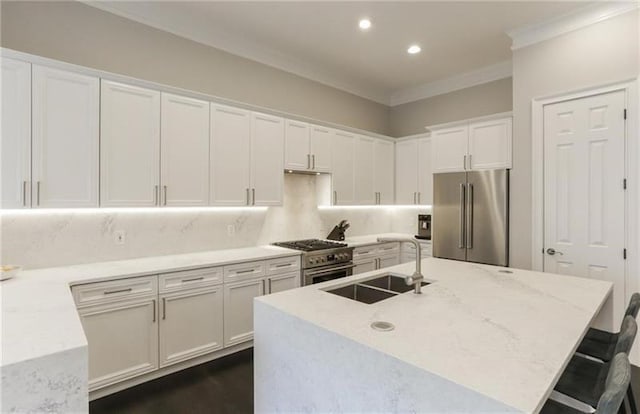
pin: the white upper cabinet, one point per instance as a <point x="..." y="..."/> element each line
<point x="184" y="151"/>
<point x="425" y="172"/>
<point x="129" y="146"/>
<point x="383" y="171"/>
<point x="15" y="141"/>
<point x="407" y="172"/>
<point x="450" y="149"/>
<point x="473" y="146"/>
<point x="320" y="148"/>
<point x="65" y="125"/>
<point x="230" y="156"/>
<point x="267" y="154"/>
<point x="343" y="158"/>
<point x="365" y="193"/>
<point x="297" y="146"/>
<point x="490" y="144"/>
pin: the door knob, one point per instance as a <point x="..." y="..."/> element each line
<point x="551" y="251"/>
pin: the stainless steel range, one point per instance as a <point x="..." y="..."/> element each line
<point x="322" y="260"/>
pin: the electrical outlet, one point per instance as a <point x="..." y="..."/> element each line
<point x="231" y="230"/>
<point x="119" y="236"/>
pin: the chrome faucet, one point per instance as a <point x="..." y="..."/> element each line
<point x="416" y="278"/>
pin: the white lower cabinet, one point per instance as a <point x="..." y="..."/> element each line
<point x="408" y="251"/>
<point x="123" y="340"/>
<point x="238" y="310"/>
<point x="388" y="261"/>
<point x="375" y="257"/>
<point x="365" y="266"/>
<point x="191" y="324"/>
<point x="284" y="282"/>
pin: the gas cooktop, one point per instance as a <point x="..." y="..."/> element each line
<point x="310" y="245"/>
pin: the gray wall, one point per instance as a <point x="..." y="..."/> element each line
<point x="486" y="99"/>
<point x="76" y="33"/>
<point x="603" y="53"/>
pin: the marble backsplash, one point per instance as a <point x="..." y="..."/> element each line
<point x="36" y="239"/>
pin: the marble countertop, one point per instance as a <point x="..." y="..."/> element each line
<point x="357" y="241"/>
<point x="505" y="335"/>
<point x="39" y="316"/>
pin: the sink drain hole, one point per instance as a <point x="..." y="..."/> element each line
<point x="383" y="326"/>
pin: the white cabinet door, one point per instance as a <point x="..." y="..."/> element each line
<point x="230" y="156"/>
<point x="238" y="310"/>
<point x="342" y="159"/>
<point x="490" y="144"/>
<point x="129" y="146"/>
<point x="284" y="282"/>
<point x="15" y="141"/>
<point x="388" y="261"/>
<point x="425" y="172"/>
<point x="365" y="193"/>
<point x="123" y="341"/>
<point x="384" y="170"/>
<point x="320" y="149"/>
<point x="191" y="324"/>
<point x="449" y="149"/>
<point x="267" y="153"/>
<point x="297" y="149"/>
<point x="184" y="163"/>
<point x="407" y="172"/>
<point x="365" y="266"/>
<point x="65" y="123"/>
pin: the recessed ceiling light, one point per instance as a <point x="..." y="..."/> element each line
<point x="413" y="49"/>
<point x="364" y="24"/>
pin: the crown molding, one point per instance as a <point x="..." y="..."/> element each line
<point x="465" y="80"/>
<point x="583" y="17"/>
<point x="219" y="39"/>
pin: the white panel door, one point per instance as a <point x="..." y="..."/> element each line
<point x="15" y="142"/>
<point x="490" y="144"/>
<point x="284" y="282"/>
<point x="65" y="122"/>
<point x="449" y="149"/>
<point x="384" y="170"/>
<point x="365" y="266"/>
<point x="388" y="261"/>
<point x="425" y="172"/>
<point x="363" y="171"/>
<point x="184" y="151"/>
<point x="238" y="310"/>
<point x="123" y="341"/>
<point x="191" y="324"/>
<point x="343" y="159"/>
<point x="129" y="146"/>
<point x="297" y="147"/>
<point x="267" y="157"/>
<point x="321" y="156"/>
<point x="407" y="172"/>
<point x="230" y="156"/>
<point x="584" y="212"/>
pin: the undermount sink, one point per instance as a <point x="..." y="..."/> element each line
<point x="382" y="286"/>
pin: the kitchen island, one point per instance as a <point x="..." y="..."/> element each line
<point x="478" y="339"/>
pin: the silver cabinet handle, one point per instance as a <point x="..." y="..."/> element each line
<point x="165" y="194"/>
<point x="269" y="284"/>
<point x="164" y="308"/>
<point x="313" y="161"/>
<point x="239" y="272"/>
<point x="24" y="194"/>
<point x="155" y="195"/>
<point x="470" y="158"/>
<point x="335" y="198"/>
<point x="37" y="193"/>
<point x="253" y="195"/>
<point x="284" y="265"/>
<point x="248" y="201"/>
<point x="111" y="292"/>
<point x="308" y="161"/>
<point x="470" y="216"/>
<point x="461" y="219"/>
<point x="551" y="251"/>
<point x="193" y="279"/>
<point x="464" y="162"/>
<point x="154" y="310"/>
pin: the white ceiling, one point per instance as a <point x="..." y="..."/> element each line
<point x="321" y="40"/>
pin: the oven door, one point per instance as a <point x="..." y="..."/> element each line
<point x="323" y="274"/>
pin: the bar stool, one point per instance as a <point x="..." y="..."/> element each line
<point x="584" y="379"/>
<point x="601" y="344"/>
<point x="611" y="400"/>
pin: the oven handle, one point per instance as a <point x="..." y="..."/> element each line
<point x="333" y="269"/>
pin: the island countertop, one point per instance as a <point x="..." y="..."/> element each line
<point x="506" y="334"/>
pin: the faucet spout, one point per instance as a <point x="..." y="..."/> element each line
<point x="416" y="278"/>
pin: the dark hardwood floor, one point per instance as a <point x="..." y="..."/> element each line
<point x="221" y="386"/>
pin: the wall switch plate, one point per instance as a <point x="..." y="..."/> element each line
<point x="231" y="230"/>
<point x="119" y="236"/>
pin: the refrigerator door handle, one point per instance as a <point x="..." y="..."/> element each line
<point x="462" y="217"/>
<point x="470" y="216"/>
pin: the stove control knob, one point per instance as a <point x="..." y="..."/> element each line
<point x="312" y="261"/>
<point x="323" y="259"/>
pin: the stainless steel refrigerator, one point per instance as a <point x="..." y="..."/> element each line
<point x="471" y="216"/>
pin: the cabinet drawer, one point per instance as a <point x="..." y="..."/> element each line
<point x="115" y="290"/>
<point x="169" y="282"/>
<point x="283" y="265"/>
<point x="242" y="271"/>
<point x="364" y="252"/>
<point x="388" y="248"/>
